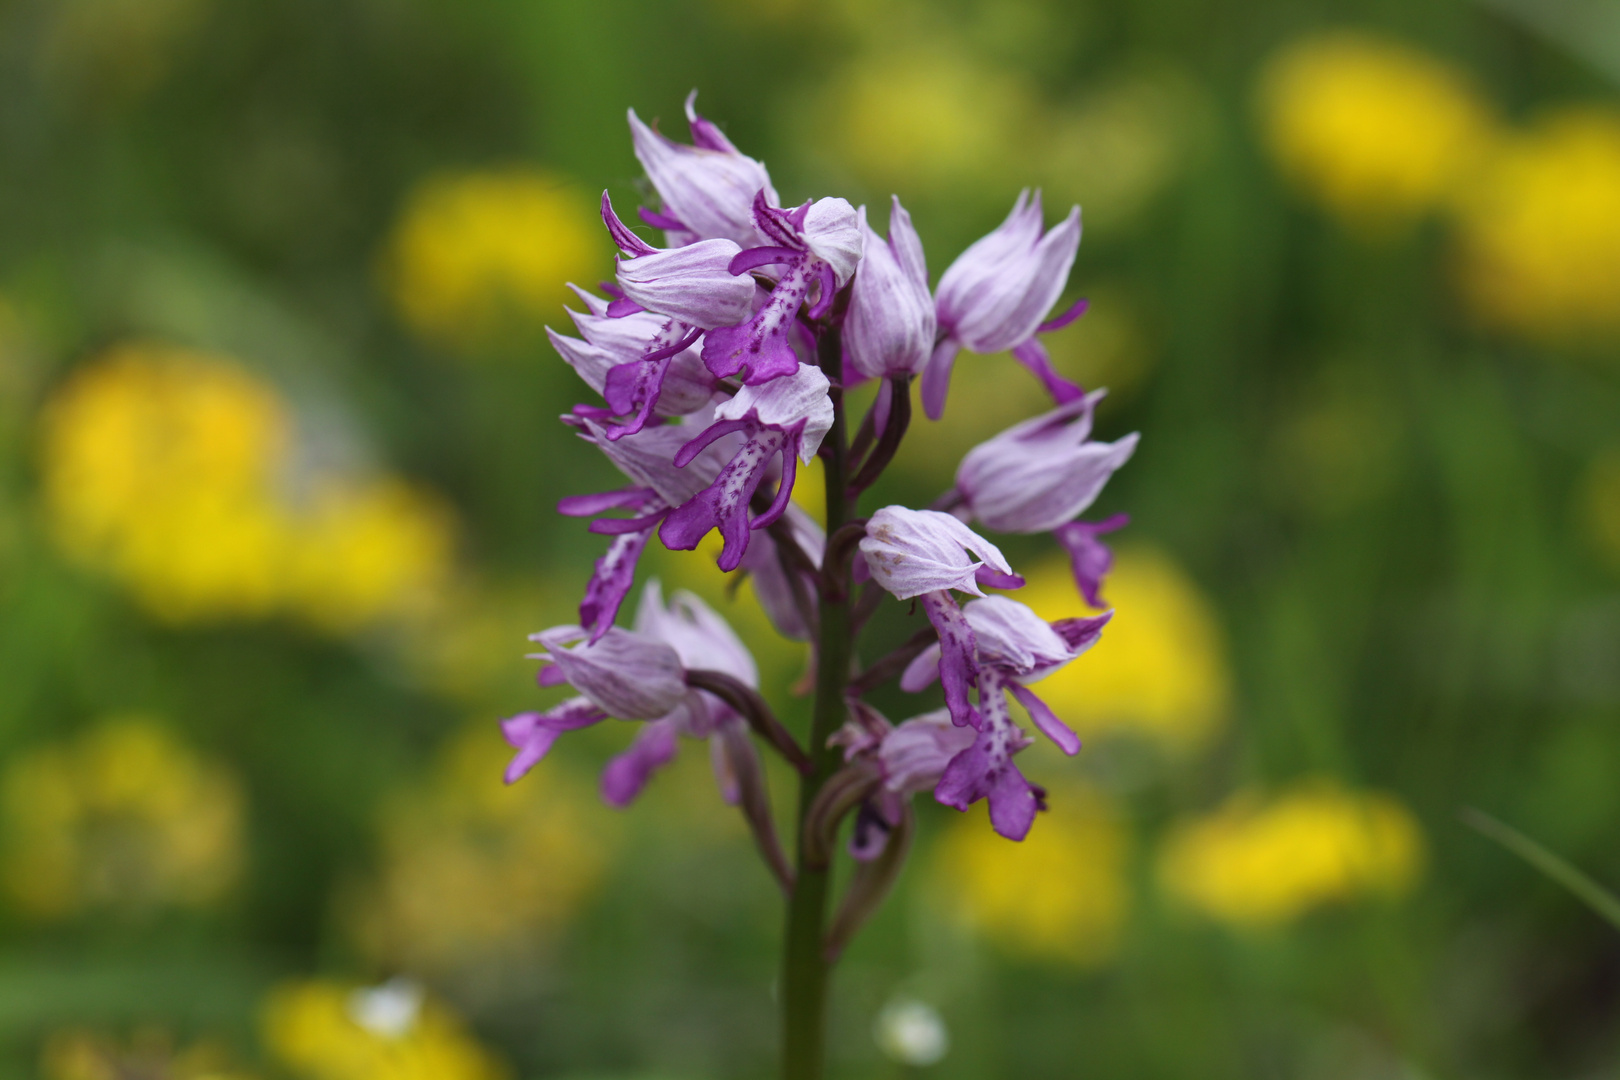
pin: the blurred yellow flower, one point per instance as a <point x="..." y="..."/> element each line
<point x="324" y="1030"/>
<point x="1376" y="130"/>
<point x="79" y="1054"/>
<point x="1258" y="863"/>
<point x="472" y="250"/>
<point x="156" y="465"/>
<point x="1000" y="394"/>
<point x="810" y="490"/>
<point x="474" y="871"/>
<point x="123" y="816"/>
<point x="1600" y="498"/>
<point x="1060" y="894"/>
<point x="1160" y="669"/>
<point x="368" y="548"/>
<point x="165" y="467"/>
<point x="1539" y="231"/>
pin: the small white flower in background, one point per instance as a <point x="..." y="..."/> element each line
<point x="388" y="1010"/>
<point x="911" y="1032"/>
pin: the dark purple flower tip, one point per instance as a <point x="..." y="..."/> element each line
<point x="1033" y="355"/>
<point x="610" y="582"/>
<point x="533" y="733"/>
<point x="760" y="346"/>
<point x="976" y="774"/>
<point x="627" y="774"/>
<point x="991" y="578"/>
<point x="1082" y="632"/>
<point x="711" y="508"/>
<point x="661" y="221"/>
<point x="1046" y="720"/>
<point x="1067" y="316"/>
<point x="621" y="526"/>
<point x="1089" y="557"/>
<point x="591" y="505"/>
<point x="958" y="654"/>
<point x="870" y="834"/>
<point x="754" y="258"/>
<point x="701" y="441"/>
<point x="625" y="240"/>
<point x="936" y="378"/>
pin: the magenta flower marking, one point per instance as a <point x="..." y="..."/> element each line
<point x="818" y="245"/>
<point x="533" y="733"/>
<point x="986" y="770"/>
<point x="785" y="419"/>
<point x="674" y="295"/>
<point x="647" y="458"/>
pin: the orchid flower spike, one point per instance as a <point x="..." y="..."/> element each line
<point x="994" y="296"/>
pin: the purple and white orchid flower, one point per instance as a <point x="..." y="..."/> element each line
<point x="707" y="188"/>
<point x="1042" y="473"/>
<point x="909" y="759"/>
<point x="686" y="290"/>
<point x="1090" y="558"/>
<point x="996" y="294"/>
<point x="1015" y="647"/>
<point x="891" y="323"/>
<point x="924" y="553"/>
<point x="621" y="674"/>
<point x="610" y="361"/>
<point x="786" y="418"/>
<point x="702" y="640"/>
<point x="647" y="458"/>
<point x="818" y="246"/>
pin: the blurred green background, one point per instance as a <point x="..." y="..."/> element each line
<point x="278" y="463"/>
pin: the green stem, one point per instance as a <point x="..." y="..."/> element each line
<point x="805" y="967"/>
<point x="1595" y="896"/>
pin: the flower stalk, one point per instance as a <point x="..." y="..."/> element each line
<point x="804" y="962"/>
